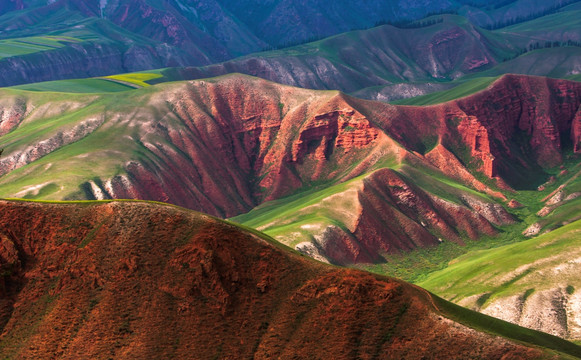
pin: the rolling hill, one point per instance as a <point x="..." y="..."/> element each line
<point x="140" y="280"/>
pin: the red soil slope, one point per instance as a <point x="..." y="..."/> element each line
<point x="243" y="141"/>
<point x="394" y="214"/>
<point x="521" y="120"/>
<point x="137" y="280"/>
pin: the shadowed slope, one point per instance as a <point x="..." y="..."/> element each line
<point x="137" y="280"/>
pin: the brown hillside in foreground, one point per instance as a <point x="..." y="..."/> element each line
<point x="130" y="280"/>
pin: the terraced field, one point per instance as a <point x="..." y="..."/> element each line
<point x="30" y="45"/>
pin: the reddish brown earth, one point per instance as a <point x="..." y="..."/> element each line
<point x="131" y="280"/>
<point x="394" y="214"/>
<point x="242" y="141"/>
<point x="518" y="122"/>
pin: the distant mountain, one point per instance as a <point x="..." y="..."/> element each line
<point x="445" y="48"/>
<point x="136" y="35"/>
<point x="130" y="280"/>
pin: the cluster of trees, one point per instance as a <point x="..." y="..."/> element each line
<point x="545" y="45"/>
<point x="520" y="19"/>
<point x="404" y="24"/>
<point x="411" y="24"/>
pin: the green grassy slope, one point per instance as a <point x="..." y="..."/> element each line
<point x="568" y="20"/>
<point x="85" y="48"/>
<point x="496" y="271"/>
<point x="105" y="84"/>
<point x="463" y="89"/>
<point x="560" y="62"/>
<point x="78" y="162"/>
<point x="82" y="86"/>
<point x="417" y="265"/>
<point x="301" y="216"/>
<point x="29" y="45"/>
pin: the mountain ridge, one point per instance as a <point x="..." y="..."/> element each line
<point x="228" y="144"/>
<point x="96" y="292"/>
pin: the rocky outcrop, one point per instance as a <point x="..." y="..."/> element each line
<point x="553" y="311"/>
<point x="576" y="131"/>
<point x="539" y="109"/>
<point x="385" y="213"/>
<point x="12" y="111"/>
<point x="135" y="280"/>
<point x="62" y="138"/>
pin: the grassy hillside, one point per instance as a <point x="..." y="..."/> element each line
<point x="511" y="269"/>
<point x="29" y="45"/>
<point x="82" y="86"/>
<point x="293" y="219"/>
<point x="105" y="84"/>
<point x="566" y="22"/>
<point x="417" y="265"/>
<point x="561" y="62"/>
<point x="464" y="88"/>
<point x="370" y="62"/>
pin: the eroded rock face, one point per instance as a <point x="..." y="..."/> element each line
<point x="44" y="147"/>
<point x="12" y="111"/>
<point x="127" y="280"/>
<point x="518" y="120"/>
<point x="389" y="214"/>
<point x="537" y="108"/>
<point x="547" y="310"/>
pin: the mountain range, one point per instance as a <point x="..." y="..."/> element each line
<point x="432" y="141"/>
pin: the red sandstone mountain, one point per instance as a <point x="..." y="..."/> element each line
<point x="226" y="145"/>
<point x="135" y="280"/>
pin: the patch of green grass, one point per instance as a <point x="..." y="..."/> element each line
<point x="43" y="192"/>
<point x="464" y="89"/>
<point x="33" y="44"/>
<point x="417" y="265"/>
<point x="561" y="21"/>
<point x="509" y="269"/>
<point x="289" y="206"/>
<point x="84" y="86"/>
<point x="527" y="294"/>
<point x="139" y="79"/>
